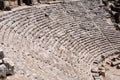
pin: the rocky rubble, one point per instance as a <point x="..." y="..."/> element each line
<point x="113" y="7"/>
<point x="98" y="71"/>
<point x="107" y="67"/>
<point x="6" y="66"/>
<point x="114" y="61"/>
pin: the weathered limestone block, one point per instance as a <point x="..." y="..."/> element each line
<point x="115" y="63"/>
<point x="96" y="62"/>
<point x="3" y="71"/>
<point x="95" y="70"/>
<point x="102" y="71"/>
<point x="10" y="66"/>
<point x="35" y="1"/>
<point x="96" y="76"/>
<point x="1" y="54"/>
<point x="118" y="66"/>
<point x="1" y="62"/>
<point x="109" y="61"/>
<point x="105" y="2"/>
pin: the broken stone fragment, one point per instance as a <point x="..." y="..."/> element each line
<point x="117" y="3"/>
<point x="105" y="2"/>
<point x="6" y="66"/>
<point x="10" y="66"/>
<point x="96" y="76"/>
<point x="1" y="54"/>
<point x="116" y="9"/>
<point x="96" y="62"/>
<point x="101" y="68"/>
<point x="108" y="62"/>
<point x="118" y="66"/>
<point x="102" y="71"/>
<point x="118" y="58"/>
<point x="95" y="70"/>
<point x="3" y="70"/>
<point x="1" y="62"/>
<point x="113" y="59"/>
<point x="115" y="63"/>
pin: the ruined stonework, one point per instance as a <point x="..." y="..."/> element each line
<point x="70" y="40"/>
<point x="108" y="68"/>
<point x="113" y="8"/>
<point x="8" y="4"/>
<point x="6" y="66"/>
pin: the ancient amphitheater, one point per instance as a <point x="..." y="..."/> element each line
<point x="72" y="40"/>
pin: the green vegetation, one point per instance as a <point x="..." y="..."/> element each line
<point x="111" y="0"/>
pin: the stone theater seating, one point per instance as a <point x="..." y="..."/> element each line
<point x="57" y="42"/>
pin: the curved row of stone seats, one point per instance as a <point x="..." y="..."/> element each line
<point x="97" y="48"/>
<point x="18" y="28"/>
<point x="91" y="4"/>
<point x="79" y="19"/>
<point x="50" y="30"/>
<point x="24" y="27"/>
<point x="63" y="41"/>
<point x="58" y="14"/>
<point x="33" y="29"/>
<point x="9" y="30"/>
<point x="13" y="34"/>
<point x="97" y="14"/>
<point x="47" y="68"/>
<point x="100" y="20"/>
<point x="103" y="48"/>
<point x="113" y="37"/>
<point x="10" y="22"/>
<point x="107" y="29"/>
